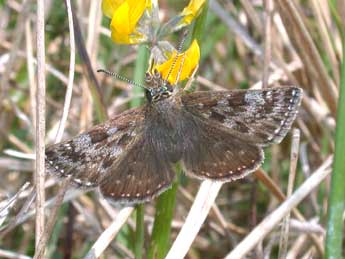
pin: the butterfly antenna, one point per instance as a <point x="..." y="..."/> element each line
<point x="122" y="78"/>
<point x="180" y="69"/>
<point x="179" y="49"/>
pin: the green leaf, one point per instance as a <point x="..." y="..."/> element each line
<point x="139" y="73"/>
<point x="336" y="205"/>
<point x="160" y="239"/>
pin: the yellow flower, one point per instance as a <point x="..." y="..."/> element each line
<point x="137" y="21"/>
<point x="191" y="11"/>
<point x="125" y="16"/>
<point x="185" y="64"/>
<point x="109" y="7"/>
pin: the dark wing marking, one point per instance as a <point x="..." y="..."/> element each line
<point x="89" y="155"/>
<point x="262" y="117"/>
<point x="214" y="153"/>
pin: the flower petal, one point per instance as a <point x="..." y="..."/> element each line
<point x="109" y="7"/>
<point x="185" y="64"/>
<point x="120" y="21"/>
<point x="125" y="19"/>
<point x="192" y="10"/>
<point x="136" y="8"/>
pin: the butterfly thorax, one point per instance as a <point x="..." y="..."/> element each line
<point x="167" y="111"/>
<point x="164" y="107"/>
<point x="157" y="88"/>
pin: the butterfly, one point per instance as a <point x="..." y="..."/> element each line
<point x="217" y="135"/>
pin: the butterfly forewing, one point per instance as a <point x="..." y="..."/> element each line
<point x="87" y="156"/>
<point x="262" y="117"/>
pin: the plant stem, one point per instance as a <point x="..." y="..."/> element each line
<point x="162" y="225"/>
<point x="139" y="232"/>
<point x="140" y="69"/>
<point x="336" y="204"/>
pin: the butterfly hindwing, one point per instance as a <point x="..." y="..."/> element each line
<point x="263" y="116"/>
<point x="218" y="154"/>
<point x="145" y="169"/>
<point x="140" y="174"/>
<point x="86" y="156"/>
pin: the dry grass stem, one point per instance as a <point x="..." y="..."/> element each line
<point x="252" y="14"/>
<point x="268" y="41"/>
<point x="109" y="234"/>
<point x="40" y="249"/>
<point x="236" y="28"/>
<point x="31" y="70"/>
<point x="68" y="96"/>
<point x="326" y="38"/>
<point x="203" y="202"/>
<point x="11" y="254"/>
<point x="6" y="205"/>
<point x="40" y="123"/>
<point x="308" y="52"/>
<point x="272" y="220"/>
<point x="284" y="238"/>
<point x="19" y="32"/>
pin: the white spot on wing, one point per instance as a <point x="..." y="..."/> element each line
<point x="82" y="141"/>
<point x="254" y="97"/>
<point x="111" y="131"/>
<point x="116" y="151"/>
<point x="223" y="102"/>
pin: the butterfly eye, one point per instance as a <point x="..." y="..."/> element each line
<point x="149" y="95"/>
<point x="169" y="87"/>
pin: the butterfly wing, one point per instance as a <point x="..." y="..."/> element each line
<point x="262" y="117"/>
<point x="87" y="156"/>
<point x="140" y="174"/>
<point x="214" y="153"/>
<point x="145" y="169"/>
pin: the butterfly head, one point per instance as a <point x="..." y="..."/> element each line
<point x="158" y="88"/>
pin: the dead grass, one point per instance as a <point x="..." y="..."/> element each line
<point x="279" y="43"/>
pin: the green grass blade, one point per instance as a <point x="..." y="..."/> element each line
<point x="139" y="73"/>
<point x="160" y="237"/>
<point x="139" y="232"/>
<point x="336" y="204"/>
<point x="141" y="65"/>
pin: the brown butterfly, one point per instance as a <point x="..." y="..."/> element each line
<point x="217" y="135"/>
